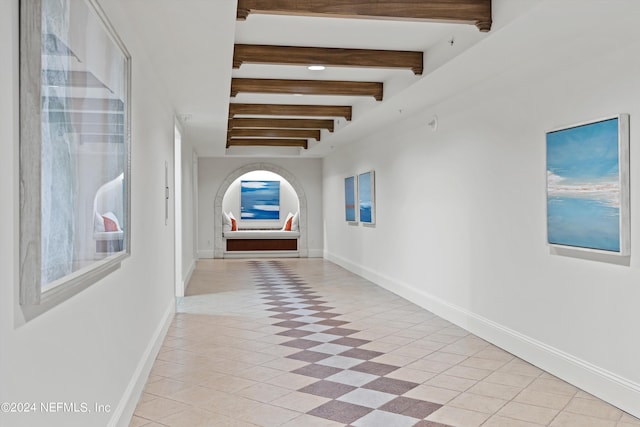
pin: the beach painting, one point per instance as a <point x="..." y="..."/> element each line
<point x="260" y="200"/>
<point x="366" y="197"/>
<point x="588" y="186"/>
<point x="350" y="199"/>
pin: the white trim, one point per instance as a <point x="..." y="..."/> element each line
<point x="205" y="253"/>
<point x="218" y="244"/>
<point x="612" y="388"/>
<point x="187" y="277"/>
<point x="123" y="413"/>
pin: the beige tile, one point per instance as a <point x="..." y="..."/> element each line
<point x="165" y="387"/>
<point x="467" y="372"/>
<point x="444" y="357"/>
<point x="159" y="408"/>
<point x="197" y="396"/>
<point x="509" y="379"/>
<point x="452" y="383"/>
<point x="270" y="416"/>
<point x="478" y="403"/>
<point x="229" y="384"/>
<point x="263" y="392"/>
<point x="594" y="408"/>
<point x="394" y="359"/>
<point x="500" y="421"/>
<point x="480" y="363"/>
<point x="378" y="346"/>
<point x="495" y="390"/>
<point x="429" y="366"/>
<point x="567" y="419"/>
<point x="292" y="381"/>
<point x="190" y="418"/>
<point x="233" y="406"/>
<point x="629" y="419"/>
<point x="524" y="412"/>
<point x="259" y="373"/>
<point x="412" y="375"/>
<point x="311" y="421"/>
<point x="284" y="364"/>
<point x="539" y="398"/>
<point x="138" y="421"/>
<point x="457" y="417"/>
<point x="519" y="367"/>
<point x="553" y="386"/>
<point x="432" y="394"/>
<point x="301" y="402"/>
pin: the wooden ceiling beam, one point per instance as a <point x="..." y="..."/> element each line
<point x="475" y="12"/>
<point x="265" y="142"/>
<point x="337" y="57"/>
<point x="307" y="87"/>
<point x="290" y="110"/>
<point x="274" y="133"/>
<point x="249" y="123"/>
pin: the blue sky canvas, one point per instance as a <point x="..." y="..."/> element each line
<point x="583" y="186"/>
<point x="365" y="197"/>
<point x="260" y="200"/>
<point x="350" y="198"/>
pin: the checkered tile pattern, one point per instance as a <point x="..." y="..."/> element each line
<point x="361" y="394"/>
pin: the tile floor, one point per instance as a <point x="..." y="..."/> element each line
<point x="302" y="342"/>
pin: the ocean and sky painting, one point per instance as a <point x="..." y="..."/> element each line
<point x="350" y="198"/>
<point x="366" y="197"/>
<point x="260" y="200"/>
<point x="583" y="186"/>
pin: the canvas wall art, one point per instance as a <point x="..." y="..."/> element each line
<point x="260" y="200"/>
<point x="350" y="199"/>
<point x="588" y="186"/>
<point x="366" y="197"/>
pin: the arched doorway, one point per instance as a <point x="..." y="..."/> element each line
<point x="218" y="249"/>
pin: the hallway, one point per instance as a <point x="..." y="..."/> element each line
<point x="302" y="342"/>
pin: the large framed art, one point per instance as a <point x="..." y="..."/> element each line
<point x="366" y="197"/>
<point x="350" y="194"/>
<point x="74" y="150"/>
<point x="260" y="200"/>
<point x="588" y="186"/>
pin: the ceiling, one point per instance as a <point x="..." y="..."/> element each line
<point x="190" y="43"/>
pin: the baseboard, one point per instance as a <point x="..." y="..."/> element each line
<point x="205" y="253"/>
<point x="260" y="254"/>
<point x="123" y="413"/>
<point x="187" y="278"/>
<point x="612" y="388"/>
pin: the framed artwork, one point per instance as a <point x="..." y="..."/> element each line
<point x="350" y="194"/>
<point x="260" y="200"/>
<point x="75" y="76"/>
<point x="366" y="197"/>
<point x="588" y="186"/>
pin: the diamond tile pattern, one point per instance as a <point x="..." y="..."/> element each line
<point x="301" y="342"/>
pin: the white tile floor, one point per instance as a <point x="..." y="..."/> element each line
<point x="302" y="342"/>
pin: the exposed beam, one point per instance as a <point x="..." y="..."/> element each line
<point x="282" y="124"/>
<point x="274" y="133"/>
<point x="264" y="142"/>
<point x="290" y="110"/>
<point x="476" y="12"/>
<point x="337" y="57"/>
<point x="307" y="87"/>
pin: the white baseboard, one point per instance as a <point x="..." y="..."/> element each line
<point x="612" y="388"/>
<point x="205" y="253"/>
<point x="187" y="278"/>
<point x="261" y="254"/>
<point x="123" y="413"/>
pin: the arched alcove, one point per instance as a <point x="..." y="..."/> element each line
<point x="218" y="248"/>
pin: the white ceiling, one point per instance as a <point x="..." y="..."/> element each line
<point x="190" y="45"/>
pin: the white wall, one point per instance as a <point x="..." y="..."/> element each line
<point x="93" y="347"/>
<point x="213" y="171"/>
<point x="288" y="199"/>
<point x="461" y="211"/>
<point x="188" y="211"/>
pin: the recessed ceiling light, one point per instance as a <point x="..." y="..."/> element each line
<point x="316" y="67"/>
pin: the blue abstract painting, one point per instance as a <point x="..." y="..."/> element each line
<point x="260" y="200"/>
<point x="584" y="186"/>
<point x="350" y="198"/>
<point x="366" y="202"/>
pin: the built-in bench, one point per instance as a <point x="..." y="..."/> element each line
<point x="261" y="243"/>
